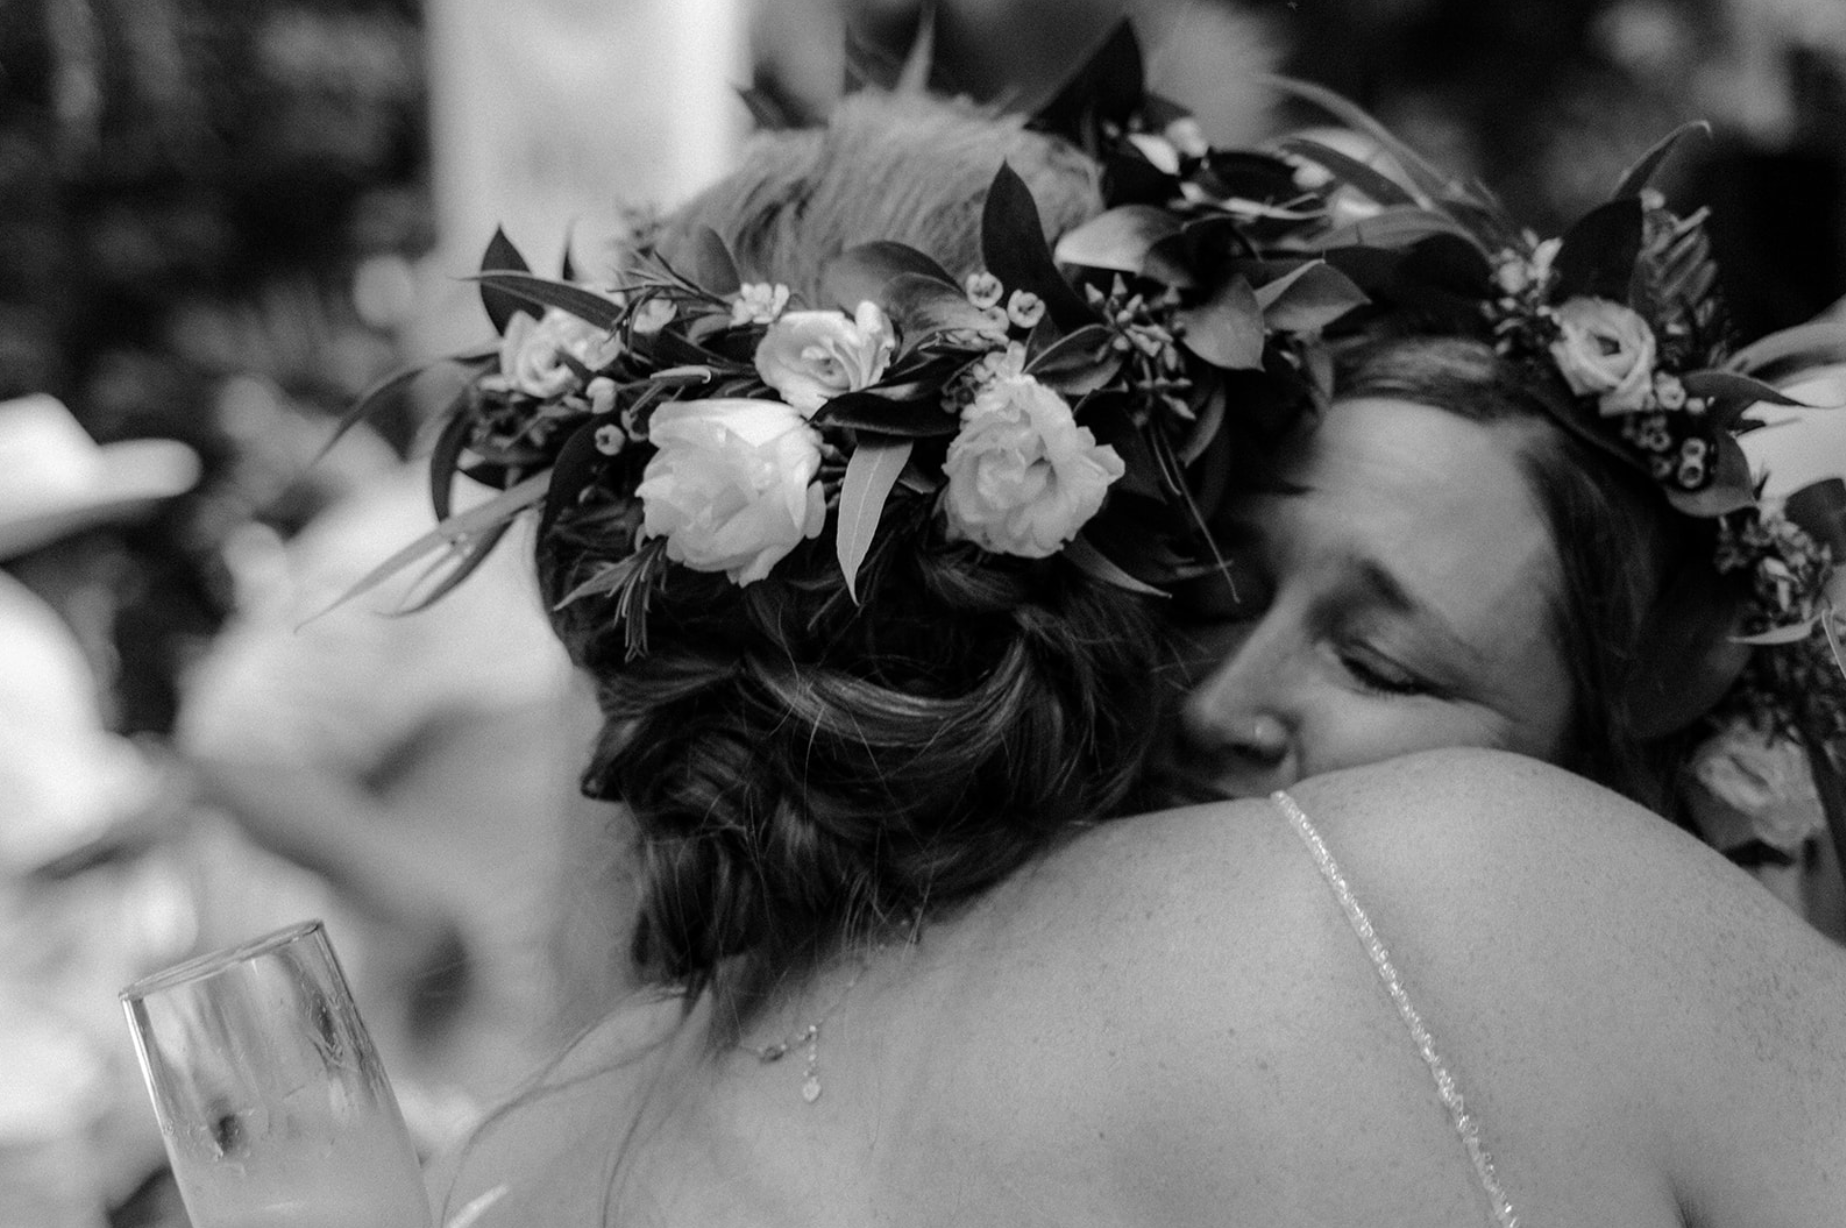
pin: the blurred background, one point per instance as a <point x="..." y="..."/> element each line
<point x="220" y="220"/>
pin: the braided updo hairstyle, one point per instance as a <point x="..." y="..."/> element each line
<point x="802" y="768"/>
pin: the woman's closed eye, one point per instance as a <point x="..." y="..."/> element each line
<point x="1377" y="673"/>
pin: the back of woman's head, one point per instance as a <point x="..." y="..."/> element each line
<point x="904" y="168"/>
<point x="1619" y="546"/>
<point x="802" y="763"/>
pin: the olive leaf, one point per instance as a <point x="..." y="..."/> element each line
<point x="1119" y="239"/>
<point x="861" y="274"/>
<point x="526" y="289"/>
<point x="871" y="471"/>
<point x="1226" y="330"/>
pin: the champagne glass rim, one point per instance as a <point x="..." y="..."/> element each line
<point x="212" y="962"/>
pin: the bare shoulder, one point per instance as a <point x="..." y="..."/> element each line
<point x="545" y="1155"/>
<point x="1575" y="948"/>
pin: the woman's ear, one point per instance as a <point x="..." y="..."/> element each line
<point x="1687" y="658"/>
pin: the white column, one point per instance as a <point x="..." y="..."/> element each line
<point x="546" y="115"/>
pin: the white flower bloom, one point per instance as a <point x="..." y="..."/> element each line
<point x="1023" y="477"/>
<point x="652" y="316"/>
<point x="810" y="357"/>
<point x="602" y="394"/>
<point x="984" y="289"/>
<point x="759" y="302"/>
<point x="1025" y="309"/>
<point x="1605" y="350"/>
<point x="732" y="487"/>
<point x="530" y="351"/>
<point x="1754" y="786"/>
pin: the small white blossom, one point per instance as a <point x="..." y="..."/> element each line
<point x="759" y="302"/>
<point x="984" y="289"/>
<point x="1025" y="309"/>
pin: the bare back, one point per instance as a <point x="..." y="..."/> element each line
<point x="1170" y="1021"/>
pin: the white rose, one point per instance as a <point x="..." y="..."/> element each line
<point x="1606" y="351"/>
<point x="810" y="357"/>
<point x="530" y="350"/>
<point x="1023" y="476"/>
<point x="732" y="487"/>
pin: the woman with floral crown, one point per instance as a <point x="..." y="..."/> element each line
<point x="1526" y="521"/>
<point x="871" y="584"/>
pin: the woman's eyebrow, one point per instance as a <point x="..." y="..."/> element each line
<point x="1383" y="586"/>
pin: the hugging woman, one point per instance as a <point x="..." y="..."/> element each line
<point x="1526" y="522"/>
<point x="854" y="529"/>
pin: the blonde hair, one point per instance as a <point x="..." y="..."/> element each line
<point x="907" y="168"/>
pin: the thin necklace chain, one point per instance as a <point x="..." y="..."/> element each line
<point x="810" y="1034"/>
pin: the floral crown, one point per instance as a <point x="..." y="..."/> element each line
<point x="1047" y="405"/>
<point x="1621" y="325"/>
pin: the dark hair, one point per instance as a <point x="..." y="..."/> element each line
<point x="1619" y="545"/>
<point x="802" y="768"/>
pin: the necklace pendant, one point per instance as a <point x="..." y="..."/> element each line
<point x="810" y="1089"/>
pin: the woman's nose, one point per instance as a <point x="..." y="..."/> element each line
<point x="1235" y="726"/>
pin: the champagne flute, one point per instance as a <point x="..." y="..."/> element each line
<point x="272" y="1101"/>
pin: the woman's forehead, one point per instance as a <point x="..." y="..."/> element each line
<point x="1440" y="503"/>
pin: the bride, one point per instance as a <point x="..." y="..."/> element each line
<point x="875" y="671"/>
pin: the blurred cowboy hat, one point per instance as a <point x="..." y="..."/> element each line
<point x="55" y="480"/>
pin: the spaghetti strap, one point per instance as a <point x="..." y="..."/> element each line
<point x="1467" y="1125"/>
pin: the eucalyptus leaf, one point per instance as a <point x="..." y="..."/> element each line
<point x="501" y="255"/>
<point x="1309" y="298"/>
<point x="542" y="292"/>
<point x="860" y="274"/>
<point x="1227" y="329"/>
<point x="871" y="471"/>
<point x="1119" y="239"/>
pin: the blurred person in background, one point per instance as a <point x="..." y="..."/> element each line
<point x="93" y="893"/>
<point x="411" y="777"/>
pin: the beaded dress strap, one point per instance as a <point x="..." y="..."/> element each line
<point x="1467" y="1125"/>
